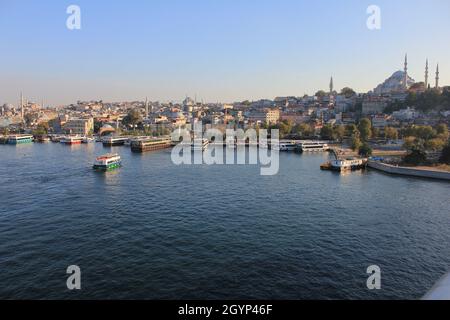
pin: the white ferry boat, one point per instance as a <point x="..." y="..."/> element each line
<point x="107" y="162"/>
<point x="348" y="164"/>
<point x="88" y="140"/>
<point x="313" y="146"/>
<point x="55" y="138"/>
<point x="71" y="140"/>
<point x="288" y="146"/>
<point x="20" y="139"/>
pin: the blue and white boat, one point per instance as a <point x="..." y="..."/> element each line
<point x="20" y="139"/>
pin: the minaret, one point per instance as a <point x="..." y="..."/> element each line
<point x="405" y="80"/>
<point x="146" y="107"/>
<point x="426" y="75"/>
<point x="331" y="86"/>
<point x="21" y="106"/>
<point x="437" y="76"/>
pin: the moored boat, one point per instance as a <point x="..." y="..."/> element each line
<point x="42" y="138"/>
<point x="69" y="140"/>
<point x="107" y="162"/>
<point x="88" y="140"/>
<point x="143" y="145"/>
<point x="312" y="146"/>
<point x="345" y="164"/>
<point x="112" y="141"/>
<point x="287" y="146"/>
<point x="20" y="139"/>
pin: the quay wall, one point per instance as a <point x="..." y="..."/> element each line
<point x="422" y="173"/>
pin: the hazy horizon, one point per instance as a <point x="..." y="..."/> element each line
<point x="219" y="51"/>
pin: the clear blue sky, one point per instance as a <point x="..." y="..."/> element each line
<point x="221" y="50"/>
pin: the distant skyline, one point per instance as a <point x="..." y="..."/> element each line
<point x="223" y="50"/>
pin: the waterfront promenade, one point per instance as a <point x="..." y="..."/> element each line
<point x="410" y="171"/>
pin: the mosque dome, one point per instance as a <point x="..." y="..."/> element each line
<point x="8" y="106"/>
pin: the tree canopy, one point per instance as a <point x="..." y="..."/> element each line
<point x="348" y="92"/>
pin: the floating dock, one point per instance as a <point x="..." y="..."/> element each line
<point x="144" y="145"/>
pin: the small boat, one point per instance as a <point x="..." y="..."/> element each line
<point x="111" y="141"/>
<point x="107" y="162"/>
<point x="55" y="138"/>
<point x="287" y="146"/>
<point x="345" y="164"/>
<point x="72" y="140"/>
<point x="312" y="146"/>
<point x="88" y="140"/>
<point x="20" y="139"/>
<point x="42" y="138"/>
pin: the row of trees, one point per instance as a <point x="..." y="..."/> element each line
<point x="347" y="92"/>
<point x="430" y="100"/>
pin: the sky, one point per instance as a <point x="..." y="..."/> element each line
<point x="216" y="50"/>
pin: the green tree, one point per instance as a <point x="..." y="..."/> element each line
<point x="320" y="94"/>
<point x="365" y="150"/>
<point x="415" y="157"/>
<point x="132" y="118"/>
<point x="410" y="143"/>
<point x="442" y="130"/>
<point x="339" y="132"/>
<point x="356" y="141"/>
<point x="435" y="144"/>
<point x="390" y="133"/>
<point x="348" y="92"/>
<point x="350" y="129"/>
<point x="327" y="132"/>
<point x="425" y="132"/>
<point x="5" y="131"/>
<point x="285" y="127"/>
<point x="445" y="157"/>
<point x="41" y="129"/>
<point x="429" y="100"/>
<point x="365" y="129"/>
<point x="375" y="133"/>
<point x="304" y="130"/>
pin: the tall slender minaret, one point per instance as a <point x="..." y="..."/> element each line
<point x="426" y="75"/>
<point x="21" y="106"/>
<point x="437" y="76"/>
<point x="331" y="86"/>
<point x="146" y="107"/>
<point x="405" y="80"/>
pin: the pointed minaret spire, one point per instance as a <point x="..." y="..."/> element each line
<point x="405" y="80"/>
<point x="437" y="76"/>
<point x="21" y="106"/>
<point x="146" y="107"/>
<point x="426" y="75"/>
<point x="331" y="85"/>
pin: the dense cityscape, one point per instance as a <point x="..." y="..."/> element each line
<point x="215" y="157"/>
<point x="399" y="114"/>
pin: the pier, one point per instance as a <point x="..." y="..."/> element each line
<point x="407" y="171"/>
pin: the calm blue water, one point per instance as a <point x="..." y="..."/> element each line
<point x="154" y="230"/>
